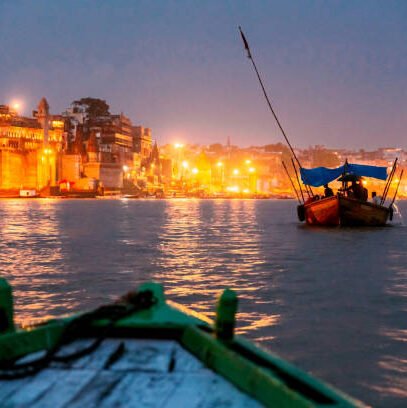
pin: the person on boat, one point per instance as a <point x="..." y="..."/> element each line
<point x="328" y="192"/>
<point x="357" y="191"/>
<point x="375" y="198"/>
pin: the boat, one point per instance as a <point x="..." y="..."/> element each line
<point x="28" y="193"/>
<point x="344" y="208"/>
<point x="144" y="350"/>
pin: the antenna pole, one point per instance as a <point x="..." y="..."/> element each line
<point x="249" y="55"/>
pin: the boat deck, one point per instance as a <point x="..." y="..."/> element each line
<point x="124" y="373"/>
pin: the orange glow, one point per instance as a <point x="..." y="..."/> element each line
<point x="178" y="145"/>
<point x="16" y="105"/>
<point x="252" y="170"/>
<point x="195" y="170"/>
<point x="248" y="161"/>
<point x="185" y="164"/>
<point x="219" y="164"/>
<point x="235" y="172"/>
<point x="59" y="124"/>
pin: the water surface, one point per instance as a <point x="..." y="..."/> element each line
<point x="332" y="301"/>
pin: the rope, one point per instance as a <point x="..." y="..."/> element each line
<point x="126" y="305"/>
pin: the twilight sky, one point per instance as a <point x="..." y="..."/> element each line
<point x="336" y="70"/>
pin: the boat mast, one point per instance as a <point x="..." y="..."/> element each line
<point x="249" y="55"/>
<point x="292" y="183"/>
<point x="397" y="189"/>
<point x="389" y="180"/>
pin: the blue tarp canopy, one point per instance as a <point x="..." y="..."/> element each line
<point x="321" y="175"/>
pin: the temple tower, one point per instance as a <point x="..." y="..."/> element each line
<point x="43" y="118"/>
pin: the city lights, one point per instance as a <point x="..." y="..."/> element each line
<point x="236" y="172"/>
<point x="16" y="106"/>
<point x="185" y="164"/>
<point x="125" y="168"/>
<point x="195" y="170"/>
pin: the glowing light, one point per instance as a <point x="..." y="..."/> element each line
<point x="395" y="181"/>
<point x="195" y="170"/>
<point x="233" y="189"/>
<point x="252" y="170"/>
<point x="235" y="172"/>
<point x="246" y="191"/>
<point x="47" y="151"/>
<point x="178" y="145"/>
<point x="16" y="105"/>
<point x="185" y="164"/>
<point x="219" y="164"/>
<point x="125" y="168"/>
<point x="248" y="161"/>
<point x="58" y="124"/>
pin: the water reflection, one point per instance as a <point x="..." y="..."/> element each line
<point x="331" y="301"/>
<point x="30" y="252"/>
<point x="209" y="245"/>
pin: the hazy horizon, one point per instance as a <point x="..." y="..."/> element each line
<point x="335" y="70"/>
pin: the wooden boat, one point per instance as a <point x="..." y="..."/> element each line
<point x="339" y="210"/>
<point x="349" y="207"/>
<point x="146" y="351"/>
<point x="343" y="211"/>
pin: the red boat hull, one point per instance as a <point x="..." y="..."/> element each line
<point x="339" y="210"/>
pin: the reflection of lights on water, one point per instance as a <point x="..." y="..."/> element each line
<point x="208" y="246"/>
<point x="31" y="254"/>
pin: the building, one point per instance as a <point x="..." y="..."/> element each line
<point x="30" y="149"/>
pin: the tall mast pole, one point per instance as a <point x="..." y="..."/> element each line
<point x="249" y="55"/>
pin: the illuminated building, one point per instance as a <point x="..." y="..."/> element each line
<point x="29" y="149"/>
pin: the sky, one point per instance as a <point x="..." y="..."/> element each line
<point x="336" y="71"/>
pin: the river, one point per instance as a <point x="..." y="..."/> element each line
<point x="332" y="301"/>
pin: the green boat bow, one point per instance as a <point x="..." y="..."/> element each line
<point x="146" y="314"/>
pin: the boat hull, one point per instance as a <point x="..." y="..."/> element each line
<point x="344" y="211"/>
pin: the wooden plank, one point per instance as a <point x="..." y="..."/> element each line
<point x="7" y="388"/>
<point x="100" y="386"/>
<point x="207" y="389"/>
<point x="145" y="355"/>
<point x="97" y="359"/>
<point x="34" y="388"/>
<point x="142" y="390"/>
<point x="184" y="361"/>
<point x="60" y="393"/>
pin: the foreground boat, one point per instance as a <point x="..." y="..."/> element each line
<point x="146" y="351"/>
